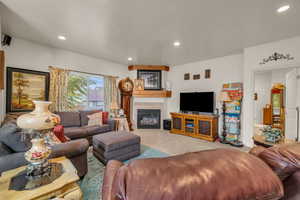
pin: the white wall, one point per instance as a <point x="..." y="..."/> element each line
<point x="29" y="55"/>
<point x="263" y="82"/>
<point x="223" y="70"/>
<point x="252" y="57"/>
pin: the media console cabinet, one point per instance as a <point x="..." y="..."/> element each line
<point x="199" y="126"/>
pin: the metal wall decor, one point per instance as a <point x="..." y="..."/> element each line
<point x="276" y="56"/>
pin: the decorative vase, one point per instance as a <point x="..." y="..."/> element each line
<point x="39" y="121"/>
<point x="40" y="118"/>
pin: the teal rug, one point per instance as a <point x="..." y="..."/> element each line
<point x="91" y="184"/>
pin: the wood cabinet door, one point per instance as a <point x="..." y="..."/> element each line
<point x="204" y="127"/>
<point x="177" y="124"/>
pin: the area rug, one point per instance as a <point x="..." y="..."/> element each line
<point x="92" y="182"/>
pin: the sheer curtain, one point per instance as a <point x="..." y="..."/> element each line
<point x="111" y="94"/>
<point x="58" y="89"/>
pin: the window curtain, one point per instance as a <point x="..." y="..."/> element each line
<point x="58" y="89"/>
<point x="111" y="93"/>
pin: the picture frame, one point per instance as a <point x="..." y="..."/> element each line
<point x="196" y="76"/>
<point x="23" y="86"/>
<point x="186" y="76"/>
<point x="138" y="84"/>
<point x="151" y="78"/>
<point x="207" y="74"/>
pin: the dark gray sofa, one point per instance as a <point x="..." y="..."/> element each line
<point x="75" y="125"/>
<point x="13" y="146"/>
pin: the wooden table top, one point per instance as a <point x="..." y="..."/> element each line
<point x="261" y="139"/>
<point x="68" y="178"/>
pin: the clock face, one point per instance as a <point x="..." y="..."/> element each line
<point x="127" y="86"/>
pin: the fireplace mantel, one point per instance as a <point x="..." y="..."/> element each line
<point x="152" y="94"/>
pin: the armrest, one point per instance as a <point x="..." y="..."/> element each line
<point x="70" y="149"/>
<point x="111" y="124"/>
<point x="111" y="170"/>
<point x="12" y="161"/>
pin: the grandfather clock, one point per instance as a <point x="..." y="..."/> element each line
<point x="126" y="88"/>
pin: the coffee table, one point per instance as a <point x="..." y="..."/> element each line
<point x="64" y="187"/>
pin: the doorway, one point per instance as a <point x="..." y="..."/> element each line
<point x="264" y="82"/>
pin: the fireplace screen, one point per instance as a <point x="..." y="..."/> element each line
<point x="148" y="119"/>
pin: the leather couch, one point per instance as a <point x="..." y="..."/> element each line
<point x="75" y="125"/>
<point x="220" y="174"/>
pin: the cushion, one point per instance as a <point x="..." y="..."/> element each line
<point x="257" y="150"/>
<point x="83" y="116"/>
<point x="69" y="119"/>
<point x="75" y="132"/>
<point x="12" y="137"/>
<point x="115" y="140"/>
<point x="95" y="119"/>
<point x="59" y="133"/>
<point x="118" y="152"/>
<point x="4" y="150"/>
<point x="283" y="159"/>
<point x="216" y="174"/>
<point x="93" y="130"/>
<point x="105" y="117"/>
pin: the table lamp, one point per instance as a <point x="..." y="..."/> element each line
<point x="114" y="108"/>
<point x="37" y="123"/>
<point x="224" y="97"/>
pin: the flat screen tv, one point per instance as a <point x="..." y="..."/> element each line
<point x="197" y="102"/>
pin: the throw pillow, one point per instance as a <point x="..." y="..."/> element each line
<point x="284" y="160"/>
<point x="95" y="119"/>
<point x="60" y="133"/>
<point x="105" y="117"/>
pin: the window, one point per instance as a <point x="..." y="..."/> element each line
<point x="85" y="92"/>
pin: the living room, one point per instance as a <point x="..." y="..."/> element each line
<point x="202" y="82"/>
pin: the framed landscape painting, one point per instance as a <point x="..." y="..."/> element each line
<point x="25" y="86"/>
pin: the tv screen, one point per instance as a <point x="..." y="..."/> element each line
<point x="197" y="101"/>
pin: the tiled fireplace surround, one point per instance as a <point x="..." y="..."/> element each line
<point x="148" y="103"/>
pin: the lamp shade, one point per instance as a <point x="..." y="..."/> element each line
<point x="114" y="106"/>
<point x="224" y="96"/>
<point x="40" y="118"/>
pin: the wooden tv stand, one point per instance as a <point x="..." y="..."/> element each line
<point x="199" y="126"/>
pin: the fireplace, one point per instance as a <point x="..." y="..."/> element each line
<point x="148" y="118"/>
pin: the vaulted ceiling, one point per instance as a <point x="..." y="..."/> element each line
<point x="146" y="29"/>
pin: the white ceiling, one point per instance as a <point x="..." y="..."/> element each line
<point x="145" y="29"/>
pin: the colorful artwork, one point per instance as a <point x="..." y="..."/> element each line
<point x="24" y="86"/>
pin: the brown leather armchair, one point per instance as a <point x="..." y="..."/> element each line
<point x="220" y="174"/>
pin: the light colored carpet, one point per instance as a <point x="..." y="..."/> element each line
<point x="174" y="144"/>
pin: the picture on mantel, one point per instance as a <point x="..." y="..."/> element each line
<point x="152" y="79"/>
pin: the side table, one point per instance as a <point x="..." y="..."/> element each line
<point x="64" y="187"/>
<point x="121" y="124"/>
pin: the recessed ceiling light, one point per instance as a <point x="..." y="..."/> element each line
<point x="129" y="59"/>
<point x="61" y="37"/>
<point x="283" y="8"/>
<point x="176" y="44"/>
